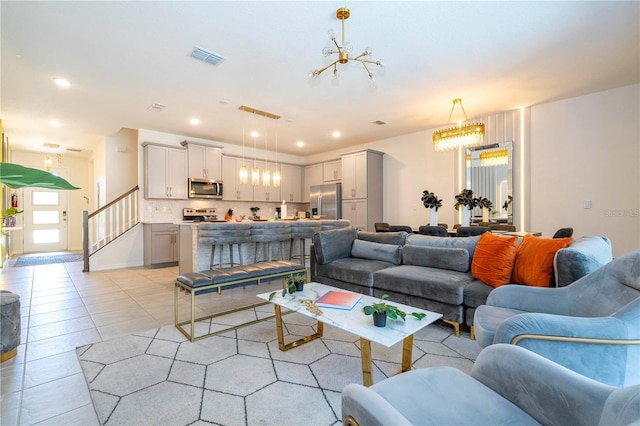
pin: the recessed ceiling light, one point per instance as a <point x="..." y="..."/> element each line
<point x="336" y="134"/>
<point x="194" y="121"/>
<point x="55" y="123"/>
<point x="50" y="145"/>
<point x="255" y="134"/>
<point x="300" y="144"/>
<point x="62" y="82"/>
<point x="224" y="102"/>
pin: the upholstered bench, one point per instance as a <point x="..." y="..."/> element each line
<point x="215" y="280"/>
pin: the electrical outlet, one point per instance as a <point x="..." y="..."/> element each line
<point x="587" y="204"/>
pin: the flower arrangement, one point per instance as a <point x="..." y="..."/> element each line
<point x="465" y="198"/>
<point x="484" y="203"/>
<point x="430" y="200"/>
<point x="505" y="206"/>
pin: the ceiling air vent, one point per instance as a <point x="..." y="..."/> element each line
<point x="206" y="56"/>
<point x="74" y="150"/>
<point x="378" y="122"/>
<point x="157" y="107"/>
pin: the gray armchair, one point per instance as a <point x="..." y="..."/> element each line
<point x="508" y="386"/>
<point x="591" y="326"/>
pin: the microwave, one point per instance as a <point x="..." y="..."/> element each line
<point x="205" y="188"/>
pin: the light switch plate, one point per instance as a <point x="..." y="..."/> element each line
<point x="587" y="204"/>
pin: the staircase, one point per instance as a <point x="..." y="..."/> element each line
<point x="108" y="223"/>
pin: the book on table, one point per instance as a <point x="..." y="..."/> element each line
<point x="338" y="300"/>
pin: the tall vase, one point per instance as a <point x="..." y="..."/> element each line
<point x="485" y="214"/>
<point x="434" y="217"/>
<point x="465" y="216"/>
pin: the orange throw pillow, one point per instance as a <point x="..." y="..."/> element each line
<point x="534" y="260"/>
<point x="493" y="259"/>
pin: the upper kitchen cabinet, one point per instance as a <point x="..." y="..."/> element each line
<point x="332" y="171"/>
<point x="265" y="193"/>
<point x="233" y="189"/>
<point x="361" y="172"/>
<point x="205" y="162"/>
<point x="362" y="180"/>
<point x="291" y="183"/>
<point x="312" y="177"/>
<point x="165" y="172"/>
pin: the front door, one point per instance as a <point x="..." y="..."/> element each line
<point x="45" y="219"/>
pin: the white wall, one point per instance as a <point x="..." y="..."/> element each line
<point x="121" y="156"/>
<point x="588" y="148"/>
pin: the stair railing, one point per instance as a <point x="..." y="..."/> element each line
<point x="108" y="223"/>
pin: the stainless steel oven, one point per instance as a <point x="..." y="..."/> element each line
<point x="205" y="188"/>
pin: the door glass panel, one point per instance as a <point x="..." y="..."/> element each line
<point x="46" y="236"/>
<point x="45" y="198"/>
<point x="45" y="217"/>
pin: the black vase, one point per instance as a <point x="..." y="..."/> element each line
<point x="379" y="320"/>
<point x="299" y="285"/>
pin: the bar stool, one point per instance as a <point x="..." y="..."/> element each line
<point x="221" y="235"/>
<point x="302" y="230"/>
<point x="265" y="233"/>
<point x="334" y="224"/>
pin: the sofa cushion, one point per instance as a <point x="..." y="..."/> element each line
<point x="454" y="259"/>
<point x="353" y="270"/>
<point x="583" y="256"/>
<point x="395" y="238"/>
<point x="420" y="281"/>
<point x="334" y="244"/>
<point x="377" y="251"/>
<point x="534" y="260"/>
<point x="476" y="293"/>
<point x="494" y="258"/>
<point x="468" y="243"/>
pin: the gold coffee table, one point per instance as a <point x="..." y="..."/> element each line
<point x="354" y="321"/>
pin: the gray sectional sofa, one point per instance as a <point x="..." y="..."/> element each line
<point x="428" y="272"/>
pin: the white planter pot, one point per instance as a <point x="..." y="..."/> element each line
<point x="434" y="217"/>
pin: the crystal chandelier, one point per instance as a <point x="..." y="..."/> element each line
<point x="494" y="157"/>
<point x="344" y="50"/>
<point x="460" y="136"/>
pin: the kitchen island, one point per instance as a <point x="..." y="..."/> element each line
<point x="252" y="238"/>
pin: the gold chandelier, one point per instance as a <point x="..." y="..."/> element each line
<point x="344" y="50"/>
<point x="48" y="162"/>
<point x="460" y="136"/>
<point x="494" y="157"/>
<point x="266" y="175"/>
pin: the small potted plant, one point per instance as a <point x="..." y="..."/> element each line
<point x="9" y="216"/>
<point x="294" y="283"/>
<point x="465" y="198"/>
<point x="431" y="201"/>
<point x="382" y="310"/>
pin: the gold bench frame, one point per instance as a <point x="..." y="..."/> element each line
<point x="192" y="319"/>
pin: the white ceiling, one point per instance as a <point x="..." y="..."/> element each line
<point x="123" y="56"/>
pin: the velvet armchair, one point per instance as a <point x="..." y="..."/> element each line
<point x="591" y="326"/>
<point x="508" y="385"/>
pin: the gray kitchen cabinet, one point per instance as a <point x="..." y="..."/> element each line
<point x="161" y="245"/>
<point x="290" y="183"/>
<point x="332" y="171"/>
<point x="233" y="189"/>
<point x="312" y="177"/>
<point x="362" y="188"/>
<point x="205" y="162"/>
<point x="165" y="172"/>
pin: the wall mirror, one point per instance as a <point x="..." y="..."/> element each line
<point x="489" y="175"/>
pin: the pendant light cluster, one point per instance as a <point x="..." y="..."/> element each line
<point x="257" y="176"/>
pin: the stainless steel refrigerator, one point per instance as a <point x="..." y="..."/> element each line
<point x="326" y="201"/>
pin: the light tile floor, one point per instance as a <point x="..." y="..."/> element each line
<point x="63" y="308"/>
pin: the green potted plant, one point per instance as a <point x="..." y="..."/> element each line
<point x="9" y="216"/>
<point x="293" y="283"/>
<point x="381" y="310"/>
